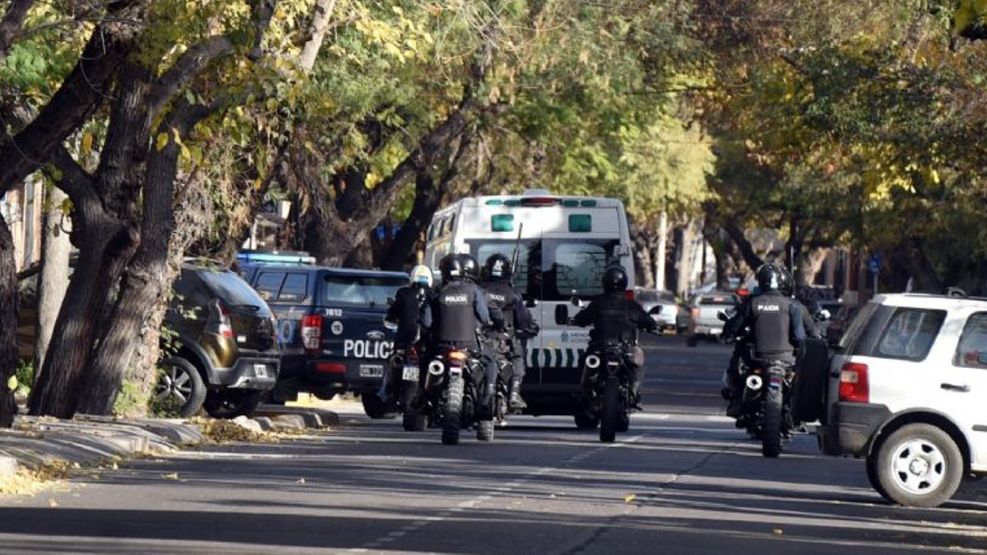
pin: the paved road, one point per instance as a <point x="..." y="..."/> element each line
<point x="682" y="481"/>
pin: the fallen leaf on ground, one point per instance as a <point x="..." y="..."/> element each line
<point x="629" y="497"/>
<point x="52" y="503"/>
<point x="778" y="532"/>
<point x="300" y="481"/>
<point x="172" y="476"/>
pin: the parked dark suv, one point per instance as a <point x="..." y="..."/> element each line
<point x="330" y="326"/>
<point x="222" y="351"/>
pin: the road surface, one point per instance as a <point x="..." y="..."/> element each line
<point x="683" y="480"/>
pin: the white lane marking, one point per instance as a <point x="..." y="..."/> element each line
<point x="506" y="488"/>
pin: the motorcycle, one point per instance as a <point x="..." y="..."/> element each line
<point x="453" y="381"/>
<point x="606" y="372"/>
<point x="766" y="404"/>
<point x="406" y="362"/>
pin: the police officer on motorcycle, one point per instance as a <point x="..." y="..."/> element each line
<point x="455" y="315"/>
<point x="774" y="321"/>
<point x="517" y="320"/>
<point x="615" y="318"/>
<point x="809" y="306"/>
<point x="406" y="313"/>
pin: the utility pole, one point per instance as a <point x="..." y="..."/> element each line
<point x="662" y="246"/>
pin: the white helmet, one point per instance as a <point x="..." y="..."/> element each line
<point x="421" y="276"/>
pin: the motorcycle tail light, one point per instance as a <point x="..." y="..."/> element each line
<point x="854" y="385"/>
<point x="457" y="355"/>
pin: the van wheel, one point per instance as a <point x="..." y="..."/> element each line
<point x="180" y="389"/>
<point x="919" y="465"/>
<point x="230" y="403"/>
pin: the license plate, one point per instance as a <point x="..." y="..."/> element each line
<point x="410" y="374"/>
<point x="260" y="370"/>
<point x="371" y="371"/>
<point x="716" y="331"/>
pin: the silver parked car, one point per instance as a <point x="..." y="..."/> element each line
<point x="704" y="308"/>
<point x="660" y="305"/>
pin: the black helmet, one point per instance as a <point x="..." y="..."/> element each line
<point x="787" y="285"/>
<point x="497" y="268"/>
<point x="471" y="268"/>
<point x="451" y="267"/>
<point x="614" y="279"/>
<point x="770" y="276"/>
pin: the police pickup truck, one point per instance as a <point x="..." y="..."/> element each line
<point x="329" y="324"/>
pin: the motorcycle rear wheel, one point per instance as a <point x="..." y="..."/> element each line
<point x="453" y="414"/>
<point x="771" y="427"/>
<point x="485" y="430"/>
<point x="610" y="417"/>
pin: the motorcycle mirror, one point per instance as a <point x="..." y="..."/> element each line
<point x="531" y="302"/>
<point x="561" y="315"/>
<point x="577" y="302"/>
<point x="722" y="316"/>
<point x="390" y="325"/>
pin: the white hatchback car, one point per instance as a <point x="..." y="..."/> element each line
<point x="908" y="391"/>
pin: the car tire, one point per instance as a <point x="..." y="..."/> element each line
<point x="875" y="483"/>
<point x="919" y="465"/>
<point x="180" y="382"/>
<point x="586" y="421"/>
<point x="231" y="403"/>
<point x="375" y="407"/>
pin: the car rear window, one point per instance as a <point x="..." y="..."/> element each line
<point x="972" y="350"/>
<point x="718" y="299"/>
<point x="231" y="288"/>
<point x="364" y="291"/>
<point x="910" y="333"/>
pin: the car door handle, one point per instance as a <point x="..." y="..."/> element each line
<point x="954" y="387"/>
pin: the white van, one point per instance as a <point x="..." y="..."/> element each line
<point x="566" y="242"/>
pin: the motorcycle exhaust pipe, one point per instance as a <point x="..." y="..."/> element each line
<point x="435" y="371"/>
<point x="593" y="361"/>
<point x="754" y="382"/>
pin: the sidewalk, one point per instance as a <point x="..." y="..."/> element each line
<point x="35" y="443"/>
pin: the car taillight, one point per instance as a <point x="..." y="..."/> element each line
<point x="223" y="325"/>
<point x="854" y="387"/>
<point x="629" y="294"/>
<point x="312" y="332"/>
<point x="330" y="367"/>
<point x="695" y="313"/>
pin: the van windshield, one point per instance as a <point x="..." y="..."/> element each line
<point x="554" y="269"/>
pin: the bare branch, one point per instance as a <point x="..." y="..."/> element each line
<point x="188" y="65"/>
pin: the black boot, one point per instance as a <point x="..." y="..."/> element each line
<point x="635" y="395"/>
<point x="514" y="401"/>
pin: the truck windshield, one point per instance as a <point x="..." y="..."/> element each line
<point x="366" y="291"/>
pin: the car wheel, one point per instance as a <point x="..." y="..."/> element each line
<point x="179" y="389"/>
<point x="873" y="479"/>
<point x="375" y="407"/>
<point x="231" y="403"/>
<point x="919" y="465"/>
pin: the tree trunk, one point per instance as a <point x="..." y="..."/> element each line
<point x="813" y="264"/>
<point x="428" y="198"/>
<point x="643" y="262"/>
<point x="736" y="234"/>
<point x="685" y="259"/>
<point x="54" y="276"/>
<point x="8" y="324"/>
<point x="662" y="249"/>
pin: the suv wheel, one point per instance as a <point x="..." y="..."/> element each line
<point x="375" y="407"/>
<point x="919" y="465"/>
<point x="180" y="387"/>
<point x="230" y="403"/>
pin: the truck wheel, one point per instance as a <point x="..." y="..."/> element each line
<point x="230" y="403"/>
<point x="180" y="387"/>
<point x="375" y="407"/>
<point x="919" y="465"/>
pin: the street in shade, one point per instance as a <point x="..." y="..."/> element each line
<point x="682" y="480"/>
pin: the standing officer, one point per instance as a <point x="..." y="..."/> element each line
<point x="406" y="313"/>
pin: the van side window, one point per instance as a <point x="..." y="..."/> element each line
<point x="268" y="284"/>
<point x="972" y="350"/>
<point x="910" y="333"/>
<point x="295" y="287"/>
